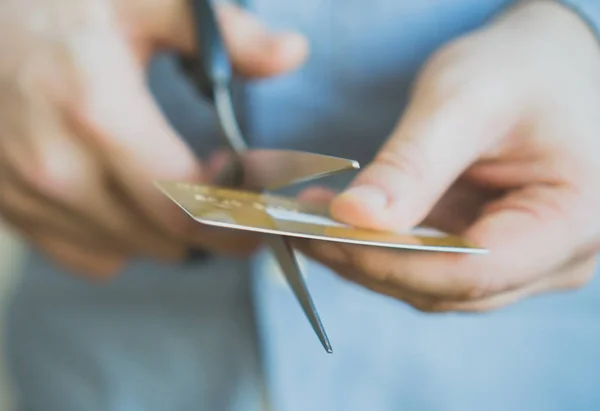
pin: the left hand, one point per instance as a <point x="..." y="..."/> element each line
<point x="82" y="139"/>
<point x="501" y="144"/>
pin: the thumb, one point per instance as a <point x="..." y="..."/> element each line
<point x="254" y="51"/>
<point x="430" y="148"/>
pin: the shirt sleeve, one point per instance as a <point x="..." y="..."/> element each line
<point x="588" y="10"/>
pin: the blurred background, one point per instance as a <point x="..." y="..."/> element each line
<point x="11" y="250"/>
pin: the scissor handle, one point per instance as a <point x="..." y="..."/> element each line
<point x="208" y="67"/>
<point x="211" y="65"/>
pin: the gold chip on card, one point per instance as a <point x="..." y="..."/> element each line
<point x="286" y="216"/>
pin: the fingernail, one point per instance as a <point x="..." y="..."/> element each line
<point x="373" y="198"/>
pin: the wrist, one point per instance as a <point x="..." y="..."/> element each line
<point x="586" y="10"/>
<point x="549" y="25"/>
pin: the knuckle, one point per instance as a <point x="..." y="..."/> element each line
<point x="450" y="76"/>
<point x="581" y="278"/>
<point x="444" y="74"/>
<point x="360" y="262"/>
<point x="86" y="119"/>
<point x="58" y="172"/>
<point x="364" y="262"/>
<point x="48" y="178"/>
<point x="473" y="280"/>
<point x="475" y="285"/>
<point x="408" y="158"/>
<point x="328" y="253"/>
<point x="82" y="106"/>
<point x="429" y="306"/>
<point x="441" y="86"/>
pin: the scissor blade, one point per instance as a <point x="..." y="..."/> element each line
<point x="284" y="253"/>
<point x="270" y="169"/>
<point x="280" y="246"/>
<point x="227" y="120"/>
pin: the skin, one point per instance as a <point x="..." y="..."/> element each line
<point x="81" y="139"/>
<point x="499" y="144"/>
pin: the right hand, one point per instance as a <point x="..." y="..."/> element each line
<point x="81" y="138"/>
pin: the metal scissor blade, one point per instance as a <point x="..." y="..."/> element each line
<point x="284" y="253"/>
<point x="280" y="246"/>
<point x="213" y="79"/>
<point x="272" y="169"/>
<point x="227" y="120"/>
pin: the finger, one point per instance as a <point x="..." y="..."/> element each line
<point x="339" y="261"/>
<point x="409" y="272"/>
<point x="24" y="209"/>
<point x="254" y="50"/>
<point x="317" y="195"/>
<point x="351" y="265"/>
<point x="89" y="261"/>
<point x="92" y="263"/>
<point x="459" y="207"/>
<point x="119" y="119"/>
<point x="543" y="220"/>
<point x="50" y="182"/>
<point x="225" y="241"/>
<point x="57" y="180"/>
<point x="217" y="162"/>
<point x="32" y="213"/>
<point x="143" y="239"/>
<point x="527" y="233"/>
<point x="569" y="279"/>
<point x="435" y="142"/>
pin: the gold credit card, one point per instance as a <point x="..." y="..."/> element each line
<point x="270" y="214"/>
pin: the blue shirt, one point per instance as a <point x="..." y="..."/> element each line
<point x="218" y="335"/>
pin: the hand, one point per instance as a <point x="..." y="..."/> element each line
<point x="81" y="139"/>
<point x="501" y="143"/>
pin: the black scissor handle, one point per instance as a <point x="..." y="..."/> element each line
<point x="211" y="64"/>
<point x="208" y="68"/>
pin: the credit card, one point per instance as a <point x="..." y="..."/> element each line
<point x="280" y="215"/>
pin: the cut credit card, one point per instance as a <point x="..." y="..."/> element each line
<point x="272" y="214"/>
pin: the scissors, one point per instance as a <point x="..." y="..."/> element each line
<point x="211" y="72"/>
